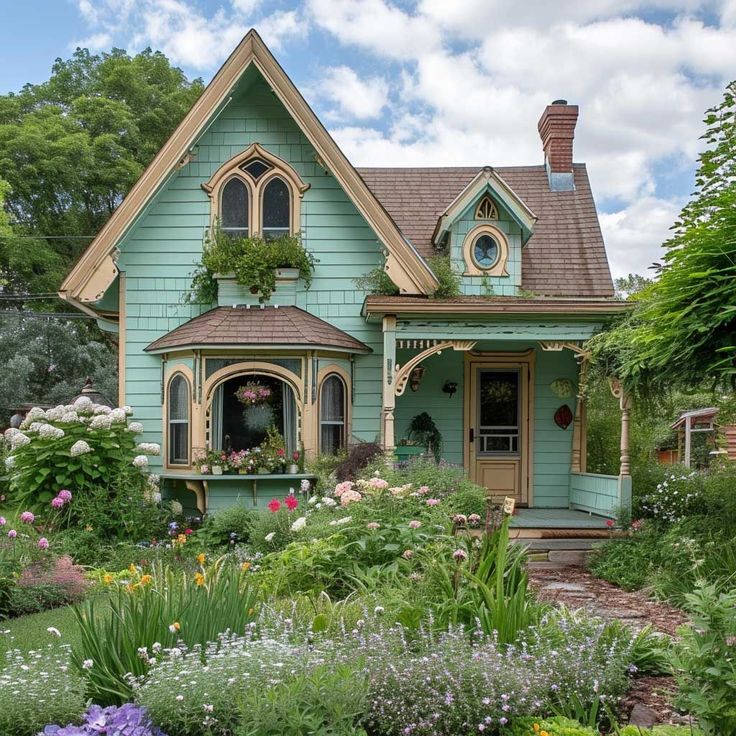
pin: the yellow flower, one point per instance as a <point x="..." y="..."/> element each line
<point x="107" y="578"/>
<point x="544" y="733"/>
<point x="132" y="569"/>
<point x="536" y="728"/>
<point x="146" y="579"/>
<point x="201" y="558"/>
<point x="174" y="627"/>
<point x="245" y="566"/>
<point x="182" y="538"/>
<point x="199" y="578"/>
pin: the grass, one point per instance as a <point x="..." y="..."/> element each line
<point x="30" y="632"/>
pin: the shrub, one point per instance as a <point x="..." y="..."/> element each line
<point x="359" y="457"/>
<point x="676" y="497"/>
<point x="36" y="688"/>
<point x="703" y="661"/>
<point x="559" y="726"/>
<point x="154" y="611"/>
<point x="76" y="446"/>
<point x="232" y="525"/>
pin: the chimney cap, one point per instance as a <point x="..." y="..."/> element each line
<point x="559" y="102"/>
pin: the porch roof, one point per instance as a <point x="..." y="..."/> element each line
<point x="264" y="326"/>
<point x="376" y="306"/>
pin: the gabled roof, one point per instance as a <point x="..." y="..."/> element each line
<point x="265" y="326"/>
<point x="96" y="269"/>
<point x="564" y="257"/>
<point x="487" y="178"/>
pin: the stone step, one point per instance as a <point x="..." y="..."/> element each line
<point x="558" y="544"/>
<point x="541" y="565"/>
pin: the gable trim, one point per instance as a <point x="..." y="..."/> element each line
<point x="404" y="264"/>
<point x="487" y="178"/>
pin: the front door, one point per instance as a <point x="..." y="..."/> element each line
<point x="497" y="431"/>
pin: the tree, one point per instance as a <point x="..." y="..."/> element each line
<point x="71" y="148"/>
<point x="631" y="285"/>
<point x="683" y="329"/>
<point x="45" y="359"/>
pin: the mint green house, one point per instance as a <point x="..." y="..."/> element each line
<point x="497" y="368"/>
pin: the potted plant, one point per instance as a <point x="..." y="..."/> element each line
<point x="253" y="262"/>
<point x="293" y="468"/>
<point x="423" y="431"/>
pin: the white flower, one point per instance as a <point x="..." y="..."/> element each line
<point x="156" y="647"/>
<point x="208" y="708"/>
<point x="54" y="631"/>
<point x="176" y="508"/>
<point x="149" y="448"/>
<point x="378" y="610"/>
<point x="140" y="461"/>
<point x="48" y="431"/>
<point x="304" y="485"/>
<point x="299" y="524"/>
<point x="344" y="520"/>
<point x="153" y="480"/>
<point x="101" y="421"/>
<point x="87" y="664"/>
<point x="156" y="498"/>
<point x="117" y="416"/>
<point x="80" y="447"/>
<point x="10" y="462"/>
<point x="101" y="409"/>
<point x="135" y="427"/>
<point x="329" y="502"/>
<point x="270" y="536"/>
<point x="35" y="426"/>
<point x="69" y="417"/>
<point x="35" y="413"/>
<point x="55" y="414"/>
<point x="312" y="500"/>
<point x="18" y="440"/>
<point x="10" y="432"/>
<point x="127" y="409"/>
<point x="83" y="403"/>
<point x="180" y="698"/>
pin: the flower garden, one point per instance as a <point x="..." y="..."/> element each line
<point x="376" y="601"/>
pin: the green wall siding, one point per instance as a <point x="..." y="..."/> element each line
<point x="159" y="254"/>
<point x="479" y="285"/>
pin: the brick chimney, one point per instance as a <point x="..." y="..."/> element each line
<point x="557" y="130"/>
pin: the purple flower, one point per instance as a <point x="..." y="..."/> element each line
<point x="27" y="517"/>
<point x="460" y="555"/>
<point x="57" y="502"/>
<point x="43" y="543"/>
<point x="64" y="495"/>
<point x="12" y="534"/>
<point x="3" y="522"/>
<point x="128" y="719"/>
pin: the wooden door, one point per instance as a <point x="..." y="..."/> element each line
<point x="497" y="426"/>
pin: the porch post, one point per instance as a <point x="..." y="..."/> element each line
<point x="579" y="443"/>
<point x="688" y="441"/>
<point x="389" y="395"/>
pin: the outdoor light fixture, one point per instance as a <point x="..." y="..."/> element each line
<point x="415" y="377"/>
<point x="450" y="387"/>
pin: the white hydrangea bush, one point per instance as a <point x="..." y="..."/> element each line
<point x="74" y="446"/>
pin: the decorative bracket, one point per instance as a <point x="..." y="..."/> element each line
<point x="402" y="373"/>
<point x="549" y="346"/>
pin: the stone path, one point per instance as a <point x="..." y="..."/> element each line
<point x="648" y="701"/>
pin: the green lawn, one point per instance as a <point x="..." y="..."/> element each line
<point x="30" y="632"/>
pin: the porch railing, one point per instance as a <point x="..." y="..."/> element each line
<point x="600" y="494"/>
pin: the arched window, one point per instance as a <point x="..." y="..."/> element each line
<point x="332" y="415"/>
<point x="276" y="216"/>
<point x="234" y="208"/>
<point x="486" y="209"/>
<point x="178" y="420"/>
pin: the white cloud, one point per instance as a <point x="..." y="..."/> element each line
<point x="634" y="235"/>
<point x="95" y="42"/>
<point x="356" y="97"/>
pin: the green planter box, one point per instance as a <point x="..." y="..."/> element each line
<point x="406" y="452"/>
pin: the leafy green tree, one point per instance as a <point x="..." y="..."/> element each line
<point x="631" y="285"/>
<point x="71" y="148"/>
<point x="684" y="328"/>
<point x="45" y="359"/>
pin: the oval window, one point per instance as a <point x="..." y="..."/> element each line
<point x="485" y="251"/>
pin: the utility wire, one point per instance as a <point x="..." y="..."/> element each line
<point x="46" y="237"/>
<point x="43" y="315"/>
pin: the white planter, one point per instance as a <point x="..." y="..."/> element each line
<point x="217" y="470"/>
<point x="287" y="274"/>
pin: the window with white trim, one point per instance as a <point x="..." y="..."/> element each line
<point x="332" y="411"/>
<point x="178" y="421"/>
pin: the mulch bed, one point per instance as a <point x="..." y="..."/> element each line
<point x="576" y="588"/>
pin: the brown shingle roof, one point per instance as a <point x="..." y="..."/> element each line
<point x="564" y="257"/>
<point x="267" y="326"/>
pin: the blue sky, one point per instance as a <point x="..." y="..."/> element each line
<point x="433" y="82"/>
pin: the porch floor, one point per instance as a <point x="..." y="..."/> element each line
<point x="556" y="519"/>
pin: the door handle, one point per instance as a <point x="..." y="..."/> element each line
<point x="471" y="435"/>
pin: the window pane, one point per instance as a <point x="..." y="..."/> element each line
<point x="256" y="168"/>
<point x="179" y="399"/>
<point x="331" y="439"/>
<point x="333" y="400"/>
<point x="485" y="251"/>
<point x="179" y="444"/>
<point x="234" y="208"/>
<point x="276" y="208"/>
<point x="499" y="399"/>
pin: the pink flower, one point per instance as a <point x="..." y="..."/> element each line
<point x="378" y="484"/>
<point x="27" y="517"/>
<point x="274" y="505"/>
<point x="474" y="519"/>
<point x="459" y="555"/>
<point x="291" y="502"/>
<point x="407" y="554"/>
<point x="349" y="497"/>
<point x="423" y="490"/>
<point x="12" y="534"/>
<point x="610" y="523"/>
<point x="43" y="543"/>
<point x="57" y="502"/>
<point x="65" y="495"/>
<point x="432" y="501"/>
<point x="460" y="519"/>
<point x="414" y="524"/>
<point x="3" y="522"/>
<point x="340" y="488"/>
<point x="373" y="525"/>
<point x="637" y="525"/>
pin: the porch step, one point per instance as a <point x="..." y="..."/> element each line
<point x="560" y="544"/>
<point x="551" y="553"/>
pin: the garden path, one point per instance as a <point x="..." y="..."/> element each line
<point x="575" y="588"/>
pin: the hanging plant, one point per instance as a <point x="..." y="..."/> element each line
<point x="253" y="394"/>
